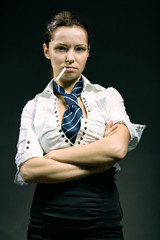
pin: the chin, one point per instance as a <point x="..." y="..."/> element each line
<point x="71" y="76"/>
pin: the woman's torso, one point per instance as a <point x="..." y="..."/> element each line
<point x="49" y="110"/>
<point x="86" y="203"/>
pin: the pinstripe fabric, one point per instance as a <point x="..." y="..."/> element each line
<point x="71" y="121"/>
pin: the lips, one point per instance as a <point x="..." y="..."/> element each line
<point x="70" y="68"/>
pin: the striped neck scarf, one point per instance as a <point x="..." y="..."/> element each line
<point x="71" y="121"/>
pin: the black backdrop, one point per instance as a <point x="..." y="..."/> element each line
<point x="124" y="54"/>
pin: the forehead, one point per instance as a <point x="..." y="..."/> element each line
<point x="73" y="34"/>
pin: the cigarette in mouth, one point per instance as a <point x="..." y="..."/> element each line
<point x="61" y="73"/>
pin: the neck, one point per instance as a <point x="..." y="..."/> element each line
<point x="68" y="84"/>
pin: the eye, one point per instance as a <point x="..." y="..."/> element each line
<point x="61" y="49"/>
<point x="80" y="49"/>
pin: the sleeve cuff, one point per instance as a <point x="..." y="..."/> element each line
<point x="30" y="149"/>
<point x="135" y="131"/>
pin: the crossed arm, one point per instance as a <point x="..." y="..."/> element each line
<point x="77" y="162"/>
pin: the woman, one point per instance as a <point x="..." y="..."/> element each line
<point x="72" y="136"/>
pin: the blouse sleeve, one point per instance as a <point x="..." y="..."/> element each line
<point x="28" y="145"/>
<point x="116" y="111"/>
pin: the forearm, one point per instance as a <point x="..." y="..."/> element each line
<point x="86" y="155"/>
<point x="105" y="151"/>
<point x="42" y="170"/>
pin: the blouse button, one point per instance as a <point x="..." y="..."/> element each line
<point x="55" y="112"/>
<point x="27" y="147"/>
<point x="66" y="140"/>
<point x="81" y="138"/>
<point x="85" y="122"/>
<point x="60" y="130"/>
<point x="83" y="133"/>
<point x="28" y="142"/>
<point x="85" y="128"/>
<point x="78" y="142"/>
<point x="63" y="135"/>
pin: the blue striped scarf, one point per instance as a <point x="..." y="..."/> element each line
<point x="71" y="121"/>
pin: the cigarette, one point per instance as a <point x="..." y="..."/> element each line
<point x="61" y="73"/>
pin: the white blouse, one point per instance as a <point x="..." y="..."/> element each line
<point x="41" y="132"/>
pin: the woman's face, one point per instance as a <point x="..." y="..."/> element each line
<point x="68" y="48"/>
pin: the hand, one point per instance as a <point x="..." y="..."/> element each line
<point x="110" y="129"/>
<point x="50" y="155"/>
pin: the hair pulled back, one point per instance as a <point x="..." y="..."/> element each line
<point x="65" y="18"/>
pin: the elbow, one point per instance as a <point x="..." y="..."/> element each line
<point x="117" y="153"/>
<point x="121" y="151"/>
<point x="25" y="174"/>
<point x="121" y="155"/>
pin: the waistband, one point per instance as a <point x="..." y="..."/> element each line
<point x="91" y="186"/>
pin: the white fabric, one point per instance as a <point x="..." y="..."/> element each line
<point x="40" y="130"/>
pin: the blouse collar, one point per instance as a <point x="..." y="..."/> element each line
<point x="86" y="84"/>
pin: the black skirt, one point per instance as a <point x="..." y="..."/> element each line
<point x="84" y="209"/>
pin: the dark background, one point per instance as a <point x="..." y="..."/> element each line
<point x="125" y="55"/>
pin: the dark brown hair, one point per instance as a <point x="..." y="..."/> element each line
<point x="67" y="19"/>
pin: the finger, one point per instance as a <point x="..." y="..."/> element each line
<point x="109" y="124"/>
<point x="108" y="131"/>
<point x="111" y="133"/>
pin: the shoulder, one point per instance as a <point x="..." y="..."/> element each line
<point x="113" y="92"/>
<point x="31" y="104"/>
<point x="29" y="109"/>
<point x="110" y="93"/>
<point x="102" y="92"/>
<point x="97" y="88"/>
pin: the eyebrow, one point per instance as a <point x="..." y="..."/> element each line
<point x="77" y="45"/>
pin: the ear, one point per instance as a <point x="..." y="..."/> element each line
<point x="46" y="51"/>
<point x="89" y="50"/>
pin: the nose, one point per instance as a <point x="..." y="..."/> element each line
<point x="70" y="56"/>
